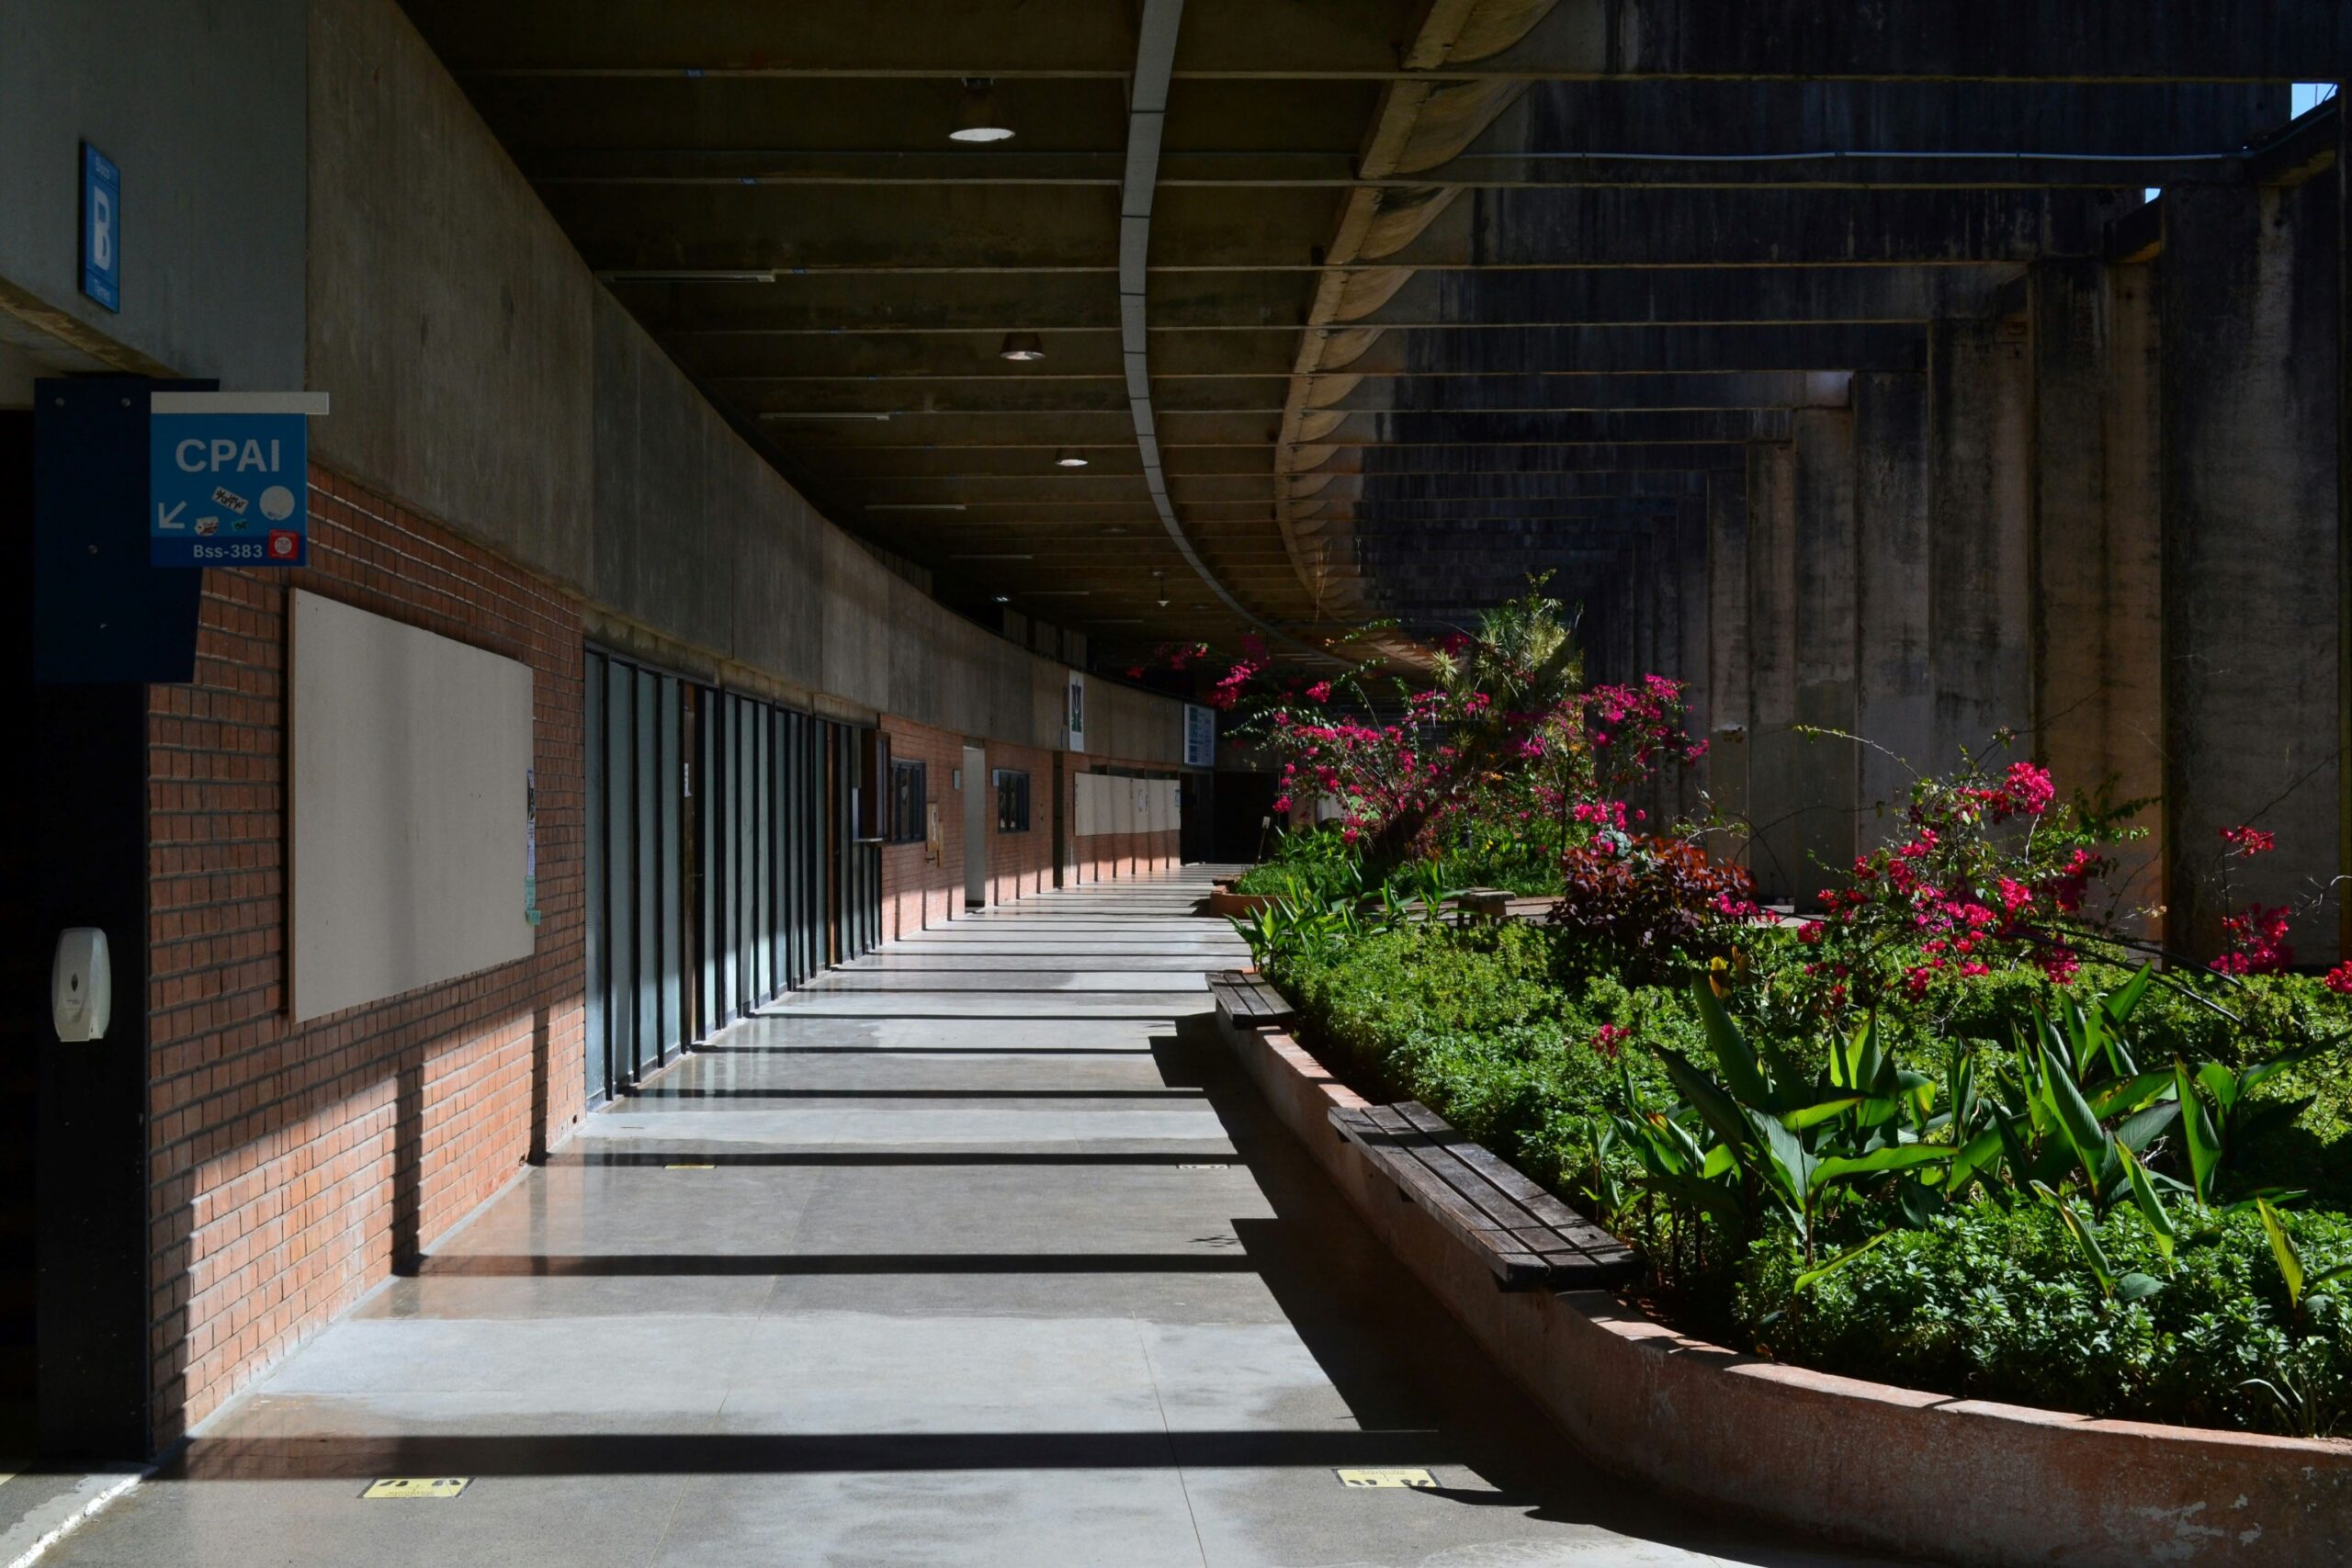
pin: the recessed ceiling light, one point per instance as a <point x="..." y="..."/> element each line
<point x="1070" y="457"/>
<point x="976" y="118"/>
<point x="1004" y="598"/>
<point x="1021" y="348"/>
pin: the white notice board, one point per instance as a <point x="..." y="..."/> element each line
<point x="409" y="763"/>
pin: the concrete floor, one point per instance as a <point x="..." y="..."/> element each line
<point x="976" y="1253"/>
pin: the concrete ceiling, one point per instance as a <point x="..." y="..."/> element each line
<point x="1439" y="292"/>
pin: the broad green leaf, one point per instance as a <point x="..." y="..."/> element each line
<point x="1814" y="1115"/>
<point x="2137" y="1287"/>
<point x="2119" y="1003"/>
<point x="2013" y="1147"/>
<point x="2126" y="1094"/>
<point x="1901" y="1158"/>
<point x="1785" y="1153"/>
<point x="1709" y="1196"/>
<point x="2084" y="1038"/>
<point x="1741" y="1074"/>
<point x="1813" y="1277"/>
<point x="1719" y="1162"/>
<point x="2076" y="1124"/>
<point x="2138" y="1130"/>
<point x="2196" y="1132"/>
<point x="2152" y="1208"/>
<point x="1707" y="1098"/>
<point x="1974" y="1156"/>
<point x="2282" y="1248"/>
<point x="2222" y="1084"/>
<point x="2329" y="1275"/>
<point x="2087" y="1239"/>
<point x="2253" y="1076"/>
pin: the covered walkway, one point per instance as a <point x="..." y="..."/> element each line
<point x="973" y="1252"/>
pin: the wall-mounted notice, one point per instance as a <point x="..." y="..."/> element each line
<point x="1200" y="735"/>
<point x="228" y="478"/>
<point x="410" y="780"/>
<point x="1075" y="726"/>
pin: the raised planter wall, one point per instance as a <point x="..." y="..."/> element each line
<point x="1955" y="1481"/>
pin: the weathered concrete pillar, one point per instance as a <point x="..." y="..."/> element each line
<point x="1825" y="768"/>
<point x="2098" y="545"/>
<point x="1894" y="698"/>
<point x="1979" y="460"/>
<point x="2344" y="511"/>
<point x="2249" y="288"/>
<point x="1722" y="773"/>
<point x="1774" y="795"/>
<point x="1691" y="659"/>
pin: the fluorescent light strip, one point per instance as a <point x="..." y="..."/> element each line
<point x="706" y="274"/>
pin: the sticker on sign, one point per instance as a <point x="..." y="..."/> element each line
<point x="416" y="1486"/>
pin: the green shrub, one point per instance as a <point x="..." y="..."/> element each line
<point x="1313" y="862"/>
<point x="1988" y="1303"/>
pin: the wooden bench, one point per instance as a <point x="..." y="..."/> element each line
<point x="1249" y="1001"/>
<point x="1526" y="1236"/>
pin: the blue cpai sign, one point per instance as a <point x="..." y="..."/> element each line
<point x="228" y="478"/>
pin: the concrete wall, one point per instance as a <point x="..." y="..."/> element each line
<point x="2250" y="291"/>
<point x="202" y="107"/>
<point x="489" y="380"/>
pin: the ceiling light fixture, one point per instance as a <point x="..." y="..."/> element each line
<point x="1021" y="348"/>
<point x="691" y="274"/>
<point x="976" y="118"/>
<point x="1070" y="457"/>
<point x="1004" y="598"/>
<point x="1159" y="584"/>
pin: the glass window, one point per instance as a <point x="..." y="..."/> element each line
<point x="1012" y="801"/>
<point x="907" y="791"/>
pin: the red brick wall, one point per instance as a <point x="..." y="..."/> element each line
<point x="1019" y="864"/>
<point x="917" y="892"/>
<point x="291" y="1164"/>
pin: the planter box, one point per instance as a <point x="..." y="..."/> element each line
<point x="1887" y="1469"/>
<point x="1226" y="904"/>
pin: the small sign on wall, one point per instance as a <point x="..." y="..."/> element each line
<point x="1200" y="735"/>
<point x="228" y="478"/>
<point x="1076" y="721"/>
<point x="101" y="228"/>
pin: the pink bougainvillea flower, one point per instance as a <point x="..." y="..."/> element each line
<point x="2249" y="839"/>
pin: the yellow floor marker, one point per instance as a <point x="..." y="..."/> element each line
<point x="408" y="1486"/>
<point x="690" y="1168"/>
<point x="1416" y="1478"/>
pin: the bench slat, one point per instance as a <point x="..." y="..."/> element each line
<point x="1248" y="1001"/>
<point x="1546" y="1209"/>
<point x="1435" y="1153"/>
<point x="1473" y="1194"/>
